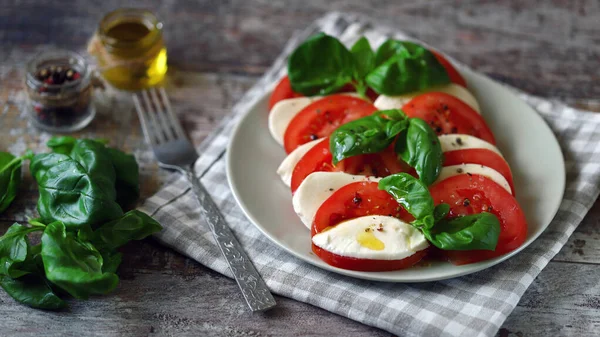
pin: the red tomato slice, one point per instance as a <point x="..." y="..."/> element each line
<point x="322" y="117"/>
<point x="320" y="159"/>
<point x="472" y="194"/>
<point x="454" y="75"/>
<point x="483" y="157"/>
<point x="352" y="263"/>
<point x="282" y="91"/>
<point x="352" y="201"/>
<point x="448" y="114"/>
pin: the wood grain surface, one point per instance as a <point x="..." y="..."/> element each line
<point x="217" y="49"/>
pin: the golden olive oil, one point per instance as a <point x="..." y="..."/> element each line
<point x="132" y="55"/>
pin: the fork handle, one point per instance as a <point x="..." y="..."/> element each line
<point x="251" y="284"/>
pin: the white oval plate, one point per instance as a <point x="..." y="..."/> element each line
<point x="525" y="140"/>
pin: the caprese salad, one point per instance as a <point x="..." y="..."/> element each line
<point x="389" y="160"/>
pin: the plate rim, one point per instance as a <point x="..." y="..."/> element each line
<point x="373" y="276"/>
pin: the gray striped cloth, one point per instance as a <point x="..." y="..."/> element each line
<point x="473" y="305"/>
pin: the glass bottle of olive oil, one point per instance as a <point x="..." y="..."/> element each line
<point x="130" y="49"/>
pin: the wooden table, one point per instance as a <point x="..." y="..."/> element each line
<point x="217" y="50"/>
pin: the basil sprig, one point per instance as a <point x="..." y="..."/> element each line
<point x="416" y="142"/>
<point x="84" y="186"/>
<point x="476" y="231"/>
<point x="323" y="65"/>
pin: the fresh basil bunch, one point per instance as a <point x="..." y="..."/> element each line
<point x="323" y="65"/>
<point x="10" y="177"/>
<point x="83" y="182"/>
<point x="416" y="143"/>
<point x="84" y="187"/>
<point x="476" y="231"/>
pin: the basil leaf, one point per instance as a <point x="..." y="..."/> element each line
<point x="71" y="194"/>
<point x="15" y="250"/>
<point x="441" y="211"/>
<point x="62" y="144"/>
<point x="134" y="225"/>
<point x="364" y="62"/>
<point x="10" y="178"/>
<point x="32" y="290"/>
<point x="320" y="66"/>
<point x="420" y="148"/>
<point x="477" y="231"/>
<point x="112" y="260"/>
<point x="411" y="193"/>
<point x="369" y="134"/>
<point x="127" y="177"/>
<point x="73" y="265"/>
<point x="403" y="67"/>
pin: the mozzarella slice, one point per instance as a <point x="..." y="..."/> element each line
<point x="372" y="237"/>
<point x="384" y="102"/>
<point x="453" y="170"/>
<point x="457" y="141"/>
<point x="316" y="188"/>
<point x="287" y="166"/>
<point x="284" y="111"/>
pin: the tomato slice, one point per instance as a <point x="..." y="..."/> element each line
<point x="322" y="117"/>
<point x="352" y="263"/>
<point x="454" y="75"/>
<point x="472" y="194"/>
<point x="355" y="200"/>
<point x="447" y="114"/>
<point x="320" y="159"/>
<point x="483" y="157"/>
<point x="282" y="91"/>
<point x="352" y="201"/>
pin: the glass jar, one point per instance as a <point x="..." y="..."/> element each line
<point x="59" y="88"/>
<point x="130" y="49"/>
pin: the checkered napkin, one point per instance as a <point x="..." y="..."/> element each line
<point x="473" y="305"/>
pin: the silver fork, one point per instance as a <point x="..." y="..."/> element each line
<point x="174" y="151"/>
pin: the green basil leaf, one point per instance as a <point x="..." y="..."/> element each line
<point x="412" y="194"/>
<point x="134" y="225"/>
<point x="364" y="58"/>
<point x="470" y="232"/>
<point x="15" y="252"/>
<point x="32" y="290"/>
<point x="10" y="178"/>
<point x="420" y="148"/>
<point x="62" y="144"/>
<point x="127" y="177"/>
<point x="403" y="67"/>
<point x="73" y="265"/>
<point x="112" y="260"/>
<point x="369" y="134"/>
<point x="72" y="194"/>
<point x="320" y="66"/>
<point x="97" y="162"/>
<point x="441" y="211"/>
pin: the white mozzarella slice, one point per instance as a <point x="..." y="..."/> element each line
<point x="384" y="102"/>
<point x="316" y="188"/>
<point x="287" y="166"/>
<point x="372" y="237"/>
<point x="284" y="111"/>
<point x="453" y="170"/>
<point x="457" y="141"/>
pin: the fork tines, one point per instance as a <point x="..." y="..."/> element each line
<point x="159" y="122"/>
